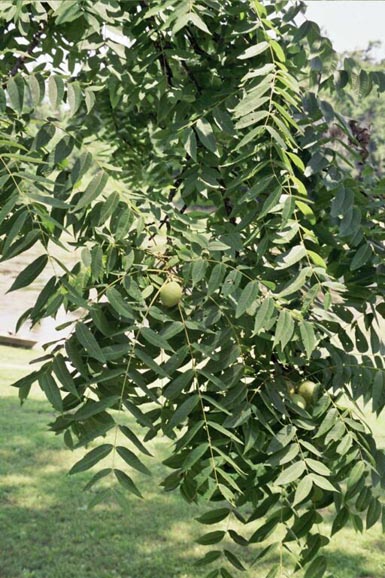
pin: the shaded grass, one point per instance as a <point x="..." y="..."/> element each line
<point x="48" y="531"/>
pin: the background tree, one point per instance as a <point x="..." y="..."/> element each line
<point x="214" y="172"/>
<point x="358" y="101"/>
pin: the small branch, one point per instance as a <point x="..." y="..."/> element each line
<point x="229" y="209"/>
<point x="192" y="77"/>
<point x="166" y="219"/>
<point x="361" y="136"/>
<point x="32" y="45"/>
<point x="195" y="44"/>
<point x="164" y="63"/>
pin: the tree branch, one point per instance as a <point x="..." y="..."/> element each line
<point x="164" y="63"/>
<point x="32" y="45"/>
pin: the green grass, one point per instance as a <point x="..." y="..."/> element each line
<point x="47" y="529"/>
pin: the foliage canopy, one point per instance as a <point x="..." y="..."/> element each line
<point x="188" y="141"/>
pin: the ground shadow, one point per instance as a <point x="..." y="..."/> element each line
<point x="47" y="531"/>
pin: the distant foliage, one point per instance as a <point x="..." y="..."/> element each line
<point x="214" y="169"/>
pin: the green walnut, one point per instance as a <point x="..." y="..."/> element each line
<point x="298" y="400"/>
<point x="170" y="294"/>
<point x="309" y="391"/>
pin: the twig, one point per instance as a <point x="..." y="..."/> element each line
<point x="164" y="63"/>
<point x="32" y="45"/>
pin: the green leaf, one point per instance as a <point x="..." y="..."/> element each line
<point x="209" y="558"/>
<point x="279" y="52"/>
<point x="293" y="256"/>
<point x="358" y="471"/>
<point x="282" y="438"/>
<point x="211" y="538"/>
<point x="181" y="22"/>
<point x="134" y="439"/>
<point x="264" y="530"/>
<point x="3" y="101"/>
<point x="237" y="538"/>
<point x="7" y="207"/>
<point x="118" y="303"/>
<point x="340" y="520"/>
<point x="177" y="385"/>
<point x="195" y="455"/>
<point x="296" y="284"/>
<point x="285" y="455"/>
<point x="247" y="298"/>
<point x="276" y="136"/>
<point x="205" y="134"/>
<point x="88" y="341"/>
<point x="264" y="314"/>
<point x="270" y="202"/>
<point x="214" y="516"/>
<point x="155" y="339"/>
<point x="361" y="257"/>
<point x="317" y="568"/>
<point x="89" y="100"/>
<point x="65" y="378"/>
<point x="291" y="473"/>
<point x="252" y="118"/>
<point x="20" y="245"/>
<point x="303" y="490"/>
<point x="374" y="513"/>
<point x="93" y="190"/>
<point x="127" y="483"/>
<point x="149" y="362"/>
<point x="308" y="337"/>
<point x="224" y="431"/>
<point x="198" y="270"/>
<point x="56" y="91"/>
<point x="15" y="89"/>
<point x="318" y="467"/>
<point x="225" y="573"/>
<point x="234" y="560"/>
<point x="98" y="476"/>
<point x="195" y="19"/>
<point x="378" y="390"/>
<point x="307" y="211"/>
<point x="13" y="232"/>
<point x="132" y="460"/>
<point x="67" y="12"/>
<point x="254" y="50"/>
<point x="51" y="390"/>
<point x="44" y="135"/>
<point x="25" y="383"/>
<point x="183" y="411"/>
<point x="29" y="274"/>
<point x="323" y="483"/>
<point x="36" y="90"/>
<point x="285" y="328"/>
<point x="190" y="144"/>
<point x="74" y="96"/>
<point x="91" y="407"/>
<point x="317" y="259"/>
<point x="216" y="278"/>
<point x="223" y="121"/>
<point x="91" y="458"/>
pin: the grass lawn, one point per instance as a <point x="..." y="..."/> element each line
<point x="47" y="529"/>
